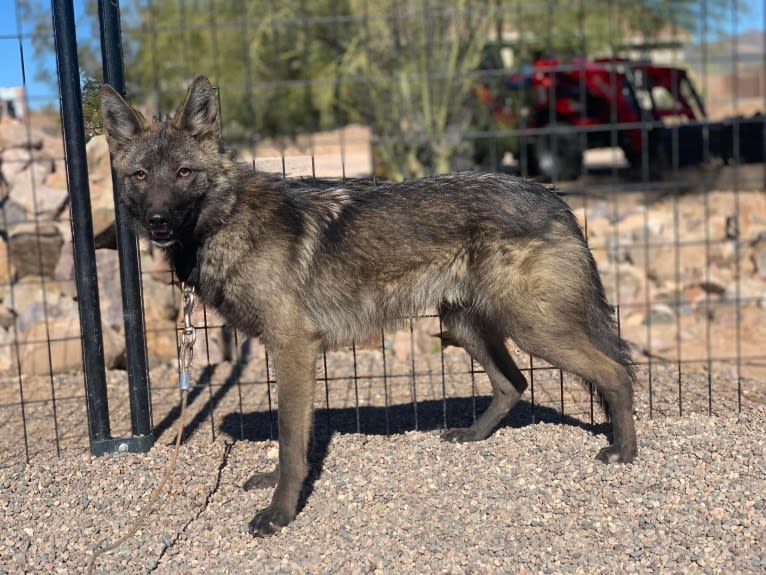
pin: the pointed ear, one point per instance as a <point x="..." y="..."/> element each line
<point x="198" y="115"/>
<point x="122" y="123"/>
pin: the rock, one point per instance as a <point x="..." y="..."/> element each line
<point x="54" y="346"/>
<point x="100" y="181"/>
<point x="44" y="202"/>
<point x="13" y="161"/>
<point x="35" y="248"/>
<point x="752" y="209"/>
<point x="422" y="338"/>
<point x="598" y="229"/>
<point x="6" y="266"/>
<point x="631" y="282"/>
<point x="752" y="289"/>
<point x="102" y="217"/>
<point x="26" y="173"/>
<point x="31" y="298"/>
<point x="161" y="303"/>
<point x="758" y="254"/>
<point x="29" y="189"/>
<point x="660" y="314"/>
<point x="14" y="135"/>
<point x="12" y="214"/>
<point x="6" y="342"/>
<point x="99" y="166"/>
<point x="109" y="287"/>
<point x="165" y="302"/>
<point x="657" y="262"/>
<point x="63" y="273"/>
<point x="16" y="162"/>
<point x="56" y="180"/>
<point x="7" y="317"/>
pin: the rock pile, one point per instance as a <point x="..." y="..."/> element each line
<point x="689" y="271"/>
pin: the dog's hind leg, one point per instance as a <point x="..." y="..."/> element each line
<point x="577" y="354"/>
<point x="614" y="383"/>
<point x="485" y="344"/>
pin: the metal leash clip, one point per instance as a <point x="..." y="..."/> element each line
<point x="188" y="337"/>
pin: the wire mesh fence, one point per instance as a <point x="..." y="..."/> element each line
<point x="645" y="117"/>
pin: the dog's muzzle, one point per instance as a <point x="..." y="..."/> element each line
<point x="160" y="231"/>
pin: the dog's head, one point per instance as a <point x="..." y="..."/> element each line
<point x="172" y="172"/>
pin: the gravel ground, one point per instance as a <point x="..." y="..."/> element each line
<point x="531" y="499"/>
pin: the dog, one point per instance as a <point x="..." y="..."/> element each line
<point x="308" y="267"/>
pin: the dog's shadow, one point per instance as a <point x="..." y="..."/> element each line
<point x="428" y="415"/>
<point x="387" y="420"/>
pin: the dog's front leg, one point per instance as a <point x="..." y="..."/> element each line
<point x="295" y="362"/>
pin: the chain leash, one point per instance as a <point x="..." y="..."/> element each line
<point x="188" y="337"/>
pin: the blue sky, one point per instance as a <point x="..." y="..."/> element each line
<point x="15" y="47"/>
<point x="12" y="47"/>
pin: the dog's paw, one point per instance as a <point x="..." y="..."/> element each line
<point x="268" y="521"/>
<point x="262" y="480"/>
<point x="613" y="454"/>
<point x="460" y="435"/>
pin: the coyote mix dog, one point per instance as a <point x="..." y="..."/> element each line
<point x="305" y="267"/>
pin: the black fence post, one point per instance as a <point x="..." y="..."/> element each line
<point x="86" y="277"/>
<point x="130" y="269"/>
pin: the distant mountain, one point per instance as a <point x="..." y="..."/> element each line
<point x="748" y="49"/>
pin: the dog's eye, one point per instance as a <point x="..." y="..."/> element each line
<point x="140" y="175"/>
<point x="184" y="173"/>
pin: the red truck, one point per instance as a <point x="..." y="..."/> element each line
<point x="652" y="112"/>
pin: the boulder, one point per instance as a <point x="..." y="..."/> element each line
<point x="16" y="135"/>
<point x="109" y="288"/>
<point x="6" y="346"/>
<point x="751" y="289"/>
<point x="44" y="202"/>
<point x="100" y="182"/>
<point x="7" y="317"/>
<point x="422" y="339"/>
<point x="11" y="214"/>
<point x="29" y="188"/>
<point x="6" y="267"/>
<point x="13" y="161"/>
<point x="20" y="162"/>
<point x="752" y="208"/>
<point x="53" y="346"/>
<point x="35" y="248"/>
<point x="99" y="166"/>
<point x="758" y="254"/>
<point x="31" y="299"/>
<point x="161" y="309"/>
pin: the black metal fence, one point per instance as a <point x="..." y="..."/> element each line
<point x="645" y="116"/>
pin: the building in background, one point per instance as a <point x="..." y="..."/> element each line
<point x="12" y="108"/>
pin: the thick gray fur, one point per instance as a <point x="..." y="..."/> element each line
<point x="306" y="266"/>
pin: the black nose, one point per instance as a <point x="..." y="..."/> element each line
<point x="158" y="221"/>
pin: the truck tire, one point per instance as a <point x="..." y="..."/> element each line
<point x="556" y="157"/>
